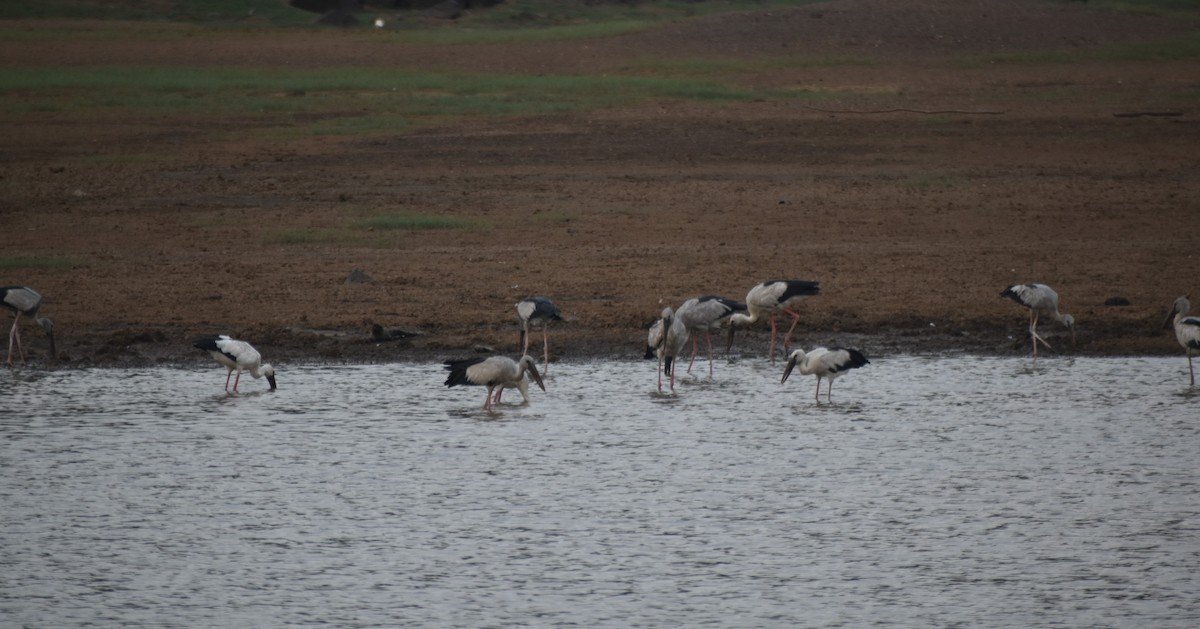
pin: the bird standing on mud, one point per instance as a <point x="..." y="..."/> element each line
<point x="22" y="300"/>
<point x="1042" y="301"/>
<point x="824" y="363"/>
<point x="1187" y="330"/>
<point x="239" y="355"/>
<point x="496" y="373"/>
<point x="769" y="299"/>
<point x="533" y="310"/>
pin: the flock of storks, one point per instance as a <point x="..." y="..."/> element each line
<point x="667" y="337"/>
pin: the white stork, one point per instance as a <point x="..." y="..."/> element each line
<point x="1187" y="330"/>
<point x="23" y="300"/>
<point x="824" y="363"/>
<point x="494" y="372"/>
<point x="1042" y="301"/>
<point x="533" y="310"/>
<point x="666" y="338"/>
<point x="705" y="314"/>
<point x="770" y="298"/>
<point x="236" y="355"/>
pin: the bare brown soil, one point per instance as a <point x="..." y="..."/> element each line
<point x="912" y="221"/>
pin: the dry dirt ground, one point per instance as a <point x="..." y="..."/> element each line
<point x="912" y="221"/>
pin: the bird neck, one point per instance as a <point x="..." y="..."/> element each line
<point x="739" y="318"/>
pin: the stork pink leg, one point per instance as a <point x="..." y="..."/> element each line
<point x="771" y="349"/>
<point x="659" y="371"/>
<point x="695" y="341"/>
<point x="708" y="339"/>
<point x="817" y="395"/>
<point x="14" y="334"/>
<point x="787" y="340"/>
<point x="236" y="380"/>
<point x="227" y="375"/>
<point x="1190" y="369"/>
<point x="545" y="350"/>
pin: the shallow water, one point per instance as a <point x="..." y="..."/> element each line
<point x="940" y="491"/>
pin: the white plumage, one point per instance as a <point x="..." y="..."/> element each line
<point x="1042" y="301"/>
<point x="496" y="373"/>
<point x="769" y="299"/>
<point x="1187" y="330"/>
<point x="824" y="363"/>
<point x="537" y="310"/>
<point x="236" y="355"/>
<point x="666" y="339"/>
<point x="22" y="300"/>
<point x="705" y="314"/>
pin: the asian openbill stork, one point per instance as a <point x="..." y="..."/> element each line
<point x="1187" y="330"/>
<point x="666" y="339"/>
<point x="769" y="299"/>
<point x="22" y="300"/>
<point x="1042" y="301"/>
<point x="537" y="310"/>
<point x="824" y="363"/>
<point x="236" y="355"/>
<point x="705" y="314"/>
<point x="496" y="373"/>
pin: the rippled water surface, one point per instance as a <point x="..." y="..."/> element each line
<point x="961" y="491"/>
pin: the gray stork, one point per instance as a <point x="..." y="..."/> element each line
<point x="824" y="363"/>
<point x="666" y="339"/>
<point x="705" y="314"/>
<point x="1187" y="330"/>
<point x="533" y="310"/>
<point x="769" y="299"/>
<point x="494" y="372"/>
<point x="23" y="300"/>
<point x="236" y="355"/>
<point x="1042" y="301"/>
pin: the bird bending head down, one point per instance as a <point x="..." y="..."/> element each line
<point x="824" y="363"/>
<point x="22" y="300"/>
<point x="236" y="355"/>
<point x="496" y="373"/>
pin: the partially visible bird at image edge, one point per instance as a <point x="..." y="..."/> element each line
<point x="22" y="300"/>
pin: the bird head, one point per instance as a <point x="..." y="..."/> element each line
<point x="1069" y="321"/>
<point x="1180" y="307"/>
<point x="527" y="364"/>
<point x="269" y="372"/>
<point x="793" y="360"/>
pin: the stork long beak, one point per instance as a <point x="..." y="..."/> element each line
<point x="1170" y="318"/>
<point x="537" y="377"/>
<point x="271" y="381"/>
<point x="667" y="362"/>
<point x="729" y="342"/>
<point x="53" y="347"/>
<point x="1072" y="336"/>
<point x="649" y="353"/>
<point x="788" y="370"/>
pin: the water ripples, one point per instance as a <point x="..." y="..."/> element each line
<point x="933" y="491"/>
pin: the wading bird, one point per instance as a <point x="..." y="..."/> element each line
<point x="533" y="310"/>
<point x="705" y="314"/>
<point x="23" y="300"/>
<point x="769" y="299"/>
<point x="666" y="338"/>
<point x="1187" y="330"/>
<point x="1042" y="301"/>
<point x="239" y="355"/>
<point x="824" y="363"/>
<point x="494" y="372"/>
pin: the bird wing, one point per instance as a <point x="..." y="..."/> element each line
<point x="841" y="359"/>
<point x="20" y="298"/>
<point x="458" y="370"/>
<point x="1036" y="296"/>
<point x="790" y="289"/>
